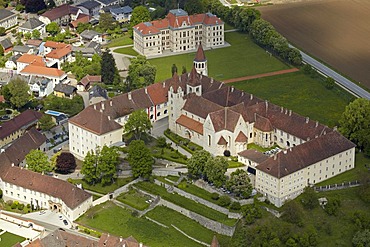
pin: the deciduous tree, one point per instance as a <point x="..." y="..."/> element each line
<point x="139" y="14"/>
<point x="37" y="161"/>
<point x="197" y="163"/>
<point x="52" y="28"/>
<point x="140" y="159"/>
<point x="46" y="123"/>
<point x="361" y="238"/>
<point x="137" y="124"/>
<point x="215" y="169"/>
<point x="309" y="198"/>
<point x="140" y="73"/>
<point x="89" y="167"/>
<point x="65" y="163"/>
<point x="18" y="89"/>
<point x="36" y="34"/>
<point x="239" y="184"/>
<point x="193" y="7"/>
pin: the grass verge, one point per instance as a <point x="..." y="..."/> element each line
<point x="134" y="199"/>
<point x="103" y="189"/>
<point x="127" y="51"/>
<point x="121" y="41"/>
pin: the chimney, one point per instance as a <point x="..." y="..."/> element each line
<point x="251" y="96"/>
<point x="282" y="109"/>
<point x="129" y="96"/>
<point x="290" y="112"/>
<point x="109" y="118"/>
<point x="12" y="164"/>
<point x="335" y="128"/>
<point x="285" y="151"/>
<point x="286" y="111"/>
<point x="146" y="90"/>
<point x="102" y="106"/>
<point x="267" y="104"/>
<point x="94" y="107"/>
<point x="232" y="89"/>
<point x="141" y="245"/>
<point x="111" y="103"/>
<point x="290" y="149"/>
<point x="317" y="124"/>
<point x="120" y="239"/>
<point x="307" y="119"/>
<point x="275" y="156"/>
<point x="242" y="93"/>
<point x="164" y="84"/>
<point x="211" y="80"/>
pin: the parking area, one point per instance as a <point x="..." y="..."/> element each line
<point x="50" y="217"/>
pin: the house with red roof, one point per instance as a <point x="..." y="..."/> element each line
<point x="62" y="15"/>
<point x="178" y="32"/>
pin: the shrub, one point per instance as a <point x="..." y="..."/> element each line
<point x="1" y="194"/>
<point x="215" y="196"/>
<point x="87" y="231"/>
<point x="135" y="213"/>
<point x="234" y="158"/>
<point x="9" y="203"/>
<point x="14" y="206"/>
<point x="20" y="206"/>
<point x="235" y="206"/>
<point x="28" y="206"/>
<point x="227" y="153"/>
<point x="161" y="142"/>
<point x="224" y="201"/>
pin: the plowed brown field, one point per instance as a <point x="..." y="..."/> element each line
<point x="335" y="31"/>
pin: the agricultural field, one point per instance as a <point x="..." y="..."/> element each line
<point x="336" y="32"/>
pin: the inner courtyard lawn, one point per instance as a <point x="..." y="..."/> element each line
<point x="301" y="94"/>
<point x="8" y="239"/>
<point x="125" y="225"/>
<point x="242" y="58"/>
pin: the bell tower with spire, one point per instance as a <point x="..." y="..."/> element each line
<point x="200" y="61"/>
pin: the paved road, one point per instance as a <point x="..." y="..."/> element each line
<point x="340" y="80"/>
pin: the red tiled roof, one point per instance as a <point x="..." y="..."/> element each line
<point x="241" y="137"/>
<point x="306" y="154"/>
<point x="34" y="42"/>
<point x="193" y="102"/>
<point x="31" y="59"/>
<point x="263" y="124"/>
<point x="82" y="18"/>
<point x="55" y="45"/>
<point x="71" y="195"/>
<point x="60" y="11"/>
<point x="224" y="119"/>
<point x="222" y="141"/>
<point x="253" y="155"/>
<point x="190" y="123"/>
<point x="158" y="93"/>
<point x="23" y="120"/>
<point x="43" y="71"/>
<point x="199" y="56"/>
<point x="60" y="52"/>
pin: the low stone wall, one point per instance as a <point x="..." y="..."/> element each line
<point x="125" y="188"/>
<point x="165" y="173"/>
<point x="100" y="200"/>
<point x="200" y="200"/>
<point x="208" y="223"/>
<point x="20" y="222"/>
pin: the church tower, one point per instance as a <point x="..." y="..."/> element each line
<point x="200" y="61"/>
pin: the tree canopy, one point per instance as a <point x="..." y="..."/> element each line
<point x="18" y="89"/>
<point x="139" y="14"/>
<point x="140" y="159"/>
<point x="46" y="122"/>
<point x="52" y="28"/>
<point x="197" y="163"/>
<point x="215" y="169"/>
<point x="83" y="66"/>
<point x="69" y="106"/>
<point x="194" y="7"/>
<point x="140" y="73"/>
<point x="100" y="166"/>
<point x="106" y="22"/>
<point x="65" y="163"/>
<point x="239" y="183"/>
<point x="37" y="161"/>
<point x="355" y="123"/>
<point x="137" y="124"/>
<point x="33" y="6"/>
<point x="109" y="71"/>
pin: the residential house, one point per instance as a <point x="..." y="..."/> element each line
<point x="62" y="15"/>
<point x="91" y="7"/>
<point x="36" y="44"/>
<point x="178" y="32"/>
<point x="22" y="49"/>
<point x="65" y="91"/>
<point x="30" y="140"/>
<point x="121" y="14"/>
<point x="82" y="18"/>
<point x="227" y="120"/>
<point x="7" y="45"/>
<point x="55" y="75"/>
<point x="52" y="45"/>
<point x="12" y="62"/>
<point x="32" y="24"/>
<point x="28" y="59"/>
<point x="15" y="128"/>
<point x="87" y="51"/>
<point x="40" y="86"/>
<point x="8" y="19"/>
<point x="91" y="36"/>
<point x="105" y="3"/>
<point x="86" y="83"/>
<point x="60" y="55"/>
<point x="97" y="94"/>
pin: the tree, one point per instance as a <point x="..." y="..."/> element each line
<point x="215" y="169"/>
<point x="239" y="184"/>
<point x="37" y="161"/>
<point x="109" y="71"/>
<point x="193" y="7"/>
<point x="18" y="88"/>
<point x="2" y="31"/>
<point x="139" y="14"/>
<point x="27" y="35"/>
<point x="140" y="73"/>
<point x="361" y="239"/>
<point x="1" y="50"/>
<point x="355" y="123"/>
<point x="332" y="206"/>
<point x="197" y="163"/>
<point x="173" y="69"/>
<point x="5" y="91"/>
<point x="52" y="28"/>
<point x="82" y="27"/>
<point x="46" y="123"/>
<point x="138" y="123"/>
<point x="140" y="159"/>
<point x="65" y="163"/>
<point x="36" y="34"/>
<point x="106" y="22"/>
<point x="183" y="70"/>
<point x="309" y="198"/>
<point x="293" y="213"/>
<point x="33" y="6"/>
<point x="101" y="166"/>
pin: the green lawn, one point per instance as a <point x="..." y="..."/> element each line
<point x="8" y="239"/>
<point x="169" y="154"/>
<point x="352" y="175"/>
<point x="228" y="27"/>
<point x="110" y="218"/>
<point x="134" y="199"/>
<point x="242" y="58"/>
<point x="186" y="203"/>
<point x="127" y="50"/>
<point x="168" y="216"/>
<point x="234" y="164"/>
<point x="301" y="94"/>
<point x="103" y="189"/>
<point x="121" y="41"/>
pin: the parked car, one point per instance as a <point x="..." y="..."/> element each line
<point x="65" y="222"/>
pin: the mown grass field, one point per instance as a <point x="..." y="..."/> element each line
<point x="127" y="50"/>
<point x="242" y="58"/>
<point x="8" y="239"/>
<point x="103" y="189"/>
<point x="121" y="41"/>
<point x="301" y="94"/>
<point x="134" y="199"/>
<point x="125" y="225"/>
